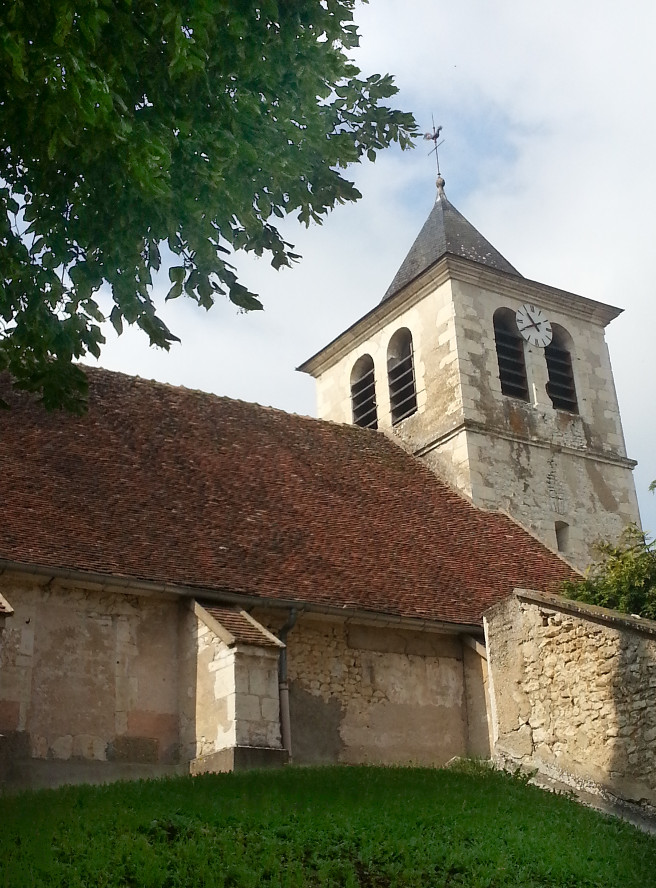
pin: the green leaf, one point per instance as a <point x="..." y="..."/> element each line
<point x="116" y="318"/>
<point x="175" y="291"/>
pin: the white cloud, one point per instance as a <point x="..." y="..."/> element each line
<point x="550" y="129"/>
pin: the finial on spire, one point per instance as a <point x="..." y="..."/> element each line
<point x="440" y="187"/>
<point x="433" y="137"/>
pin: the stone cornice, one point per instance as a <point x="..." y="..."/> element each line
<point x="455" y="268"/>
<point x="526" y="290"/>
<point x="470" y="425"/>
<point x="604" y="615"/>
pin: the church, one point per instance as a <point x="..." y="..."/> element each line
<point x="190" y="583"/>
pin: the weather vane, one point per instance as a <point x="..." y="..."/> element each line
<point x="433" y="137"/>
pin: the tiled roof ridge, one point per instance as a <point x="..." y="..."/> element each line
<point x="180" y="387"/>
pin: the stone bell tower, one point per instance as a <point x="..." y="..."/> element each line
<point x="501" y="384"/>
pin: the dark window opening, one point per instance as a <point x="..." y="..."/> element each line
<point x="562" y="536"/>
<point x="560" y="387"/>
<point x="510" y="356"/>
<point x="401" y="376"/>
<point x="363" y="393"/>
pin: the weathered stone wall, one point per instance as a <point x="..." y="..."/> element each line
<point x="553" y="485"/>
<point x="429" y="317"/>
<point x="574" y="693"/>
<point x="540" y="464"/>
<point x="477" y="709"/>
<point x="98" y="685"/>
<point x="360" y="693"/>
<point x="87" y="678"/>
<point x="257" y="709"/>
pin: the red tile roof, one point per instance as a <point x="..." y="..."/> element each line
<point x="171" y="485"/>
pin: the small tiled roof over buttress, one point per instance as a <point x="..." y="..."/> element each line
<point x="243" y="628"/>
<point x="170" y="485"/>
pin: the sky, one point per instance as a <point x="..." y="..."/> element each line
<point x="549" y="128"/>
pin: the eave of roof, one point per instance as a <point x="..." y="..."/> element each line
<point x="203" y="595"/>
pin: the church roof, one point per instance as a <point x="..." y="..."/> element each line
<point x="446" y="231"/>
<point x="170" y="485"/>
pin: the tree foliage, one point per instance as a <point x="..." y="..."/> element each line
<point x="190" y="123"/>
<point x="623" y="579"/>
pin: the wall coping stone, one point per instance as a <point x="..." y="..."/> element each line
<point x="591" y="612"/>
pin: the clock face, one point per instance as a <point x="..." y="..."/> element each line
<point x="534" y="325"/>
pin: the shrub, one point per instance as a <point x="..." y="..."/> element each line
<point x="624" y="577"/>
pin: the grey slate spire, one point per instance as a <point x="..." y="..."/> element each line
<point x="446" y="231"/>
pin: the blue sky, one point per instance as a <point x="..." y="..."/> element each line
<point x="550" y="135"/>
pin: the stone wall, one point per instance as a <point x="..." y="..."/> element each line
<point x="98" y="685"/>
<point x="573" y="693"/>
<point x="88" y="684"/>
<point x="363" y="693"/>
<point x="257" y="708"/>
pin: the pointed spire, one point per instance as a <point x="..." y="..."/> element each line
<point x="446" y="231"/>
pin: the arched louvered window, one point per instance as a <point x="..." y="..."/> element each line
<point x="363" y="393"/>
<point x="560" y="387"/>
<point x="510" y="355"/>
<point x="401" y="376"/>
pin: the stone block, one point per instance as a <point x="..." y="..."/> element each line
<point x="270" y="709"/>
<point x="242" y="680"/>
<point x="247" y="706"/>
<point x="62" y="747"/>
<point x="520" y="742"/>
<point x="239" y="758"/>
<point x="133" y="749"/>
<point x="39" y="746"/>
<point x="224" y="683"/>
<point x="253" y="734"/>
<point x="260" y="679"/>
<point x="88" y="746"/>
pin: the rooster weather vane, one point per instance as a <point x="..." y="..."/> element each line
<point x="433" y="137"/>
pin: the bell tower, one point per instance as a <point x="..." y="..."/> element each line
<point x="502" y="385"/>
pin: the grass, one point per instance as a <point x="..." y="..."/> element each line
<point x="365" y="827"/>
